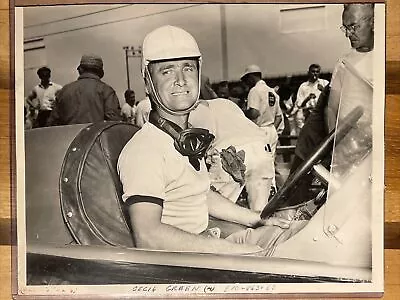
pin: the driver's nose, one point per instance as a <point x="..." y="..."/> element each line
<point x="180" y="78"/>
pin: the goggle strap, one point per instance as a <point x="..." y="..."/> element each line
<point x="164" y="124"/>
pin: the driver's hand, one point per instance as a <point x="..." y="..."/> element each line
<point x="274" y="221"/>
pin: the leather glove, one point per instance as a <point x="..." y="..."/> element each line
<point x="233" y="163"/>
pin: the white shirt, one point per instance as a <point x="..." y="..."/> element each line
<point x="149" y="165"/>
<point x="128" y="112"/>
<point x="266" y="101"/>
<point x="227" y="122"/>
<point x="351" y="85"/>
<point x="306" y="88"/>
<point x="46" y="96"/>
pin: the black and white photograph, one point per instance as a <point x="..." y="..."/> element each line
<point x="192" y="149"/>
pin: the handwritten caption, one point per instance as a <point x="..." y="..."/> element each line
<point x="204" y="288"/>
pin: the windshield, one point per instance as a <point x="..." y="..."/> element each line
<point x="351" y="150"/>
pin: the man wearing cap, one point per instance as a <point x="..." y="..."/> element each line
<point x="40" y="100"/>
<point x="88" y="99"/>
<point x="162" y="168"/>
<point x="262" y="105"/>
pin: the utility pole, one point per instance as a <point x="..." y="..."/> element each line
<point x="224" y="43"/>
<point x="131" y="51"/>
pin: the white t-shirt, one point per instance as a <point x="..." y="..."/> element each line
<point x="128" y="112"/>
<point x="306" y="88"/>
<point x="266" y="101"/>
<point x="46" y="96"/>
<point x="227" y="122"/>
<point x="149" y="165"/>
<point x="351" y="85"/>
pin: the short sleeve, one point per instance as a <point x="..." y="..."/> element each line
<point x="300" y="96"/>
<point x="141" y="171"/>
<point x="253" y="100"/>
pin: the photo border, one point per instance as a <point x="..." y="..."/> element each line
<point x="375" y="288"/>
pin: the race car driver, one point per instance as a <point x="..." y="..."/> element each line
<point x="162" y="168"/>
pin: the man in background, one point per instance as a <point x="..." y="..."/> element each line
<point x="262" y="105"/>
<point x="352" y="80"/>
<point x="128" y="109"/>
<point x="224" y="92"/>
<point x="40" y="100"/>
<point x="307" y="95"/>
<point x="88" y="99"/>
<point x="353" y="74"/>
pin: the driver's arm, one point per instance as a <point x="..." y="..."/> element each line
<point x="224" y="209"/>
<point x="150" y="233"/>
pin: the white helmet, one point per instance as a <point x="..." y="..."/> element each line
<point x="163" y="43"/>
<point x="251" y="69"/>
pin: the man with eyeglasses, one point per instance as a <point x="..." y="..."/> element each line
<point x="351" y="84"/>
<point x="352" y="78"/>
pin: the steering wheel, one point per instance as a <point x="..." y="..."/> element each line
<point x="280" y="199"/>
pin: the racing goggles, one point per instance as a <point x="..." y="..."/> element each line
<point x="193" y="142"/>
<point x="190" y="142"/>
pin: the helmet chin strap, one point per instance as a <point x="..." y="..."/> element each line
<point x="155" y="96"/>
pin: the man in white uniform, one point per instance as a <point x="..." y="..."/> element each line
<point x="162" y="168"/>
<point x="262" y="105"/>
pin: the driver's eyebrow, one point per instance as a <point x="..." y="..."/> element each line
<point x="190" y="64"/>
<point x="165" y="67"/>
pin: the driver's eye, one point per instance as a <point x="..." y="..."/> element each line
<point x="189" y="68"/>
<point x="166" y="71"/>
